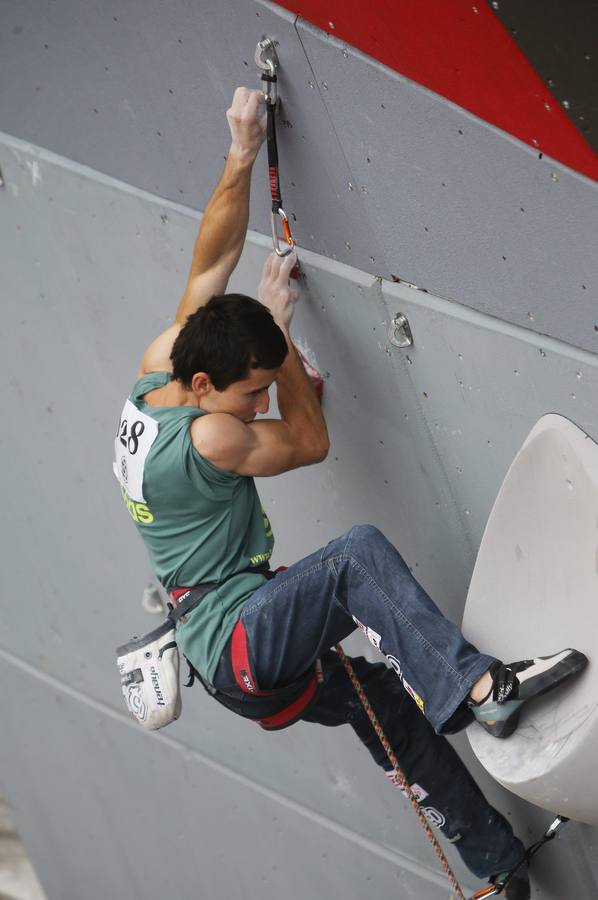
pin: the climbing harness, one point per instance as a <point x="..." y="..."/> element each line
<point x="498" y="886"/>
<point x="273" y="709"/>
<point x="266" y="59"/>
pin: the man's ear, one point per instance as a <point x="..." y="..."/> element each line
<point x="201" y="384"/>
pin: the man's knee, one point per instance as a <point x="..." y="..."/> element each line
<point x="366" y="534"/>
<point x="373" y="549"/>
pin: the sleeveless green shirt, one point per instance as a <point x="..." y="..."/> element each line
<point x="198" y="522"/>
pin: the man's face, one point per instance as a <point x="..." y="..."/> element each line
<point x="242" y="399"/>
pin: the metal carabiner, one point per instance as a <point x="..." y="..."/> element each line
<point x="287" y="232"/>
<point x="266" y="59"/>
<point x="499" y="886"/>
<point x="491" y="891"/>
<point x="551" y="832"/>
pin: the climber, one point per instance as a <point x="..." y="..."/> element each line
<point x="187" y="451"/>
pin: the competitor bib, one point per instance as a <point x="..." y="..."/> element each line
<point x="134" y="438"/>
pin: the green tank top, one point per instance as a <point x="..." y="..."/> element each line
<point x="198" y="522"/>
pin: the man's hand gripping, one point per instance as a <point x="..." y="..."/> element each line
<point x="275" y="290"/>
<point x="247" y="119"/>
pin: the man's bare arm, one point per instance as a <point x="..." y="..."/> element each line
<point x="224" y="223"/>
<point x="269" y="447"/>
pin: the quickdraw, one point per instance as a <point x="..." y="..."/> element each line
<point x="266" y="59"/>
<point x="498" y="887"/>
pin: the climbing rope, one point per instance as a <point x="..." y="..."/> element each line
<point x="267" y="60"/>
<point x="400" y="775"/>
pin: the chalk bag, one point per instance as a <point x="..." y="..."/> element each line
<point x="149" y="676"/>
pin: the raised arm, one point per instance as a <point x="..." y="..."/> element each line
<point x="224" y="223"/>
<point x="271" y="446"/>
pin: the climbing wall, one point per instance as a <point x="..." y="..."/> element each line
<point x="113" y="136"/>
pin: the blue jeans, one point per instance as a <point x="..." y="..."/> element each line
<point x="360" y="580"/>
<point x="448" y="795"/>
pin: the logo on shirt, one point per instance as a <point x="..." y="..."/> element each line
<point x="260" y="558"/>
<point x="267" y="526"/>
<point x="139" y="512"/>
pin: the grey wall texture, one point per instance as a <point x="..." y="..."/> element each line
<point x="113" y="134"/>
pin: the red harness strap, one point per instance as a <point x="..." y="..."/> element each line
<point x="294" y="710"/>
<point x="246" y="682"/>
<point x="240" y="662"/>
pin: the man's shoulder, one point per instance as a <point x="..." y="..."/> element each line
<point x="218" y="429"/>
<point x="157" y="356"/>
<point x="220" y="438"/>
<point x="147" y="382"/>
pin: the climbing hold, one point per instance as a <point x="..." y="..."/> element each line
<point x="533" y="591"/>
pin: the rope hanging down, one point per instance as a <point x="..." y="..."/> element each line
<point x="267" y="60"/>
<point x="403" y="783"/>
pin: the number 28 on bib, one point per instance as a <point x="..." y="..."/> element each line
<point x="134" y="438"/>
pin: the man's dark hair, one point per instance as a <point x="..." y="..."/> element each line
<point x="226" y="338"/>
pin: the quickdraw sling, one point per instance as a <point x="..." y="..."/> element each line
<point x="267" y="60"/>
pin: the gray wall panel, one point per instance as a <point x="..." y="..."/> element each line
<point x="110" y="262"/>
<point x="481" y="386"/>
<point x="138" y="91"/>
<point x="143" y="816"/>
<point x="459" y="208"/>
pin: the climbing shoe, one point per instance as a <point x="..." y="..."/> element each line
<point x="518" y="886"/>
<point x="516" y="683"/>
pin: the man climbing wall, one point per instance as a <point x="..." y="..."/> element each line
<point x="187" y="451"/>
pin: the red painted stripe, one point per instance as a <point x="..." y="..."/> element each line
<point x="460" y="50"/>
